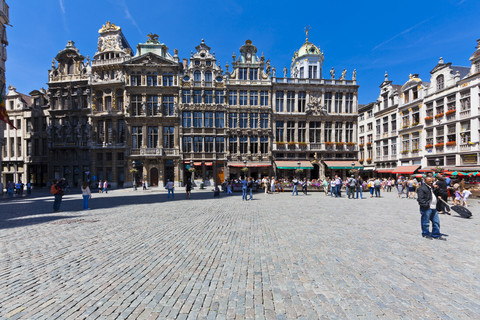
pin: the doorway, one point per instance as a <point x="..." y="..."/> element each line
<point x="169" y="171"/>
<point x="154" y="177"/>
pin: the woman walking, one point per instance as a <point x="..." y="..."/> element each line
<point x="86" y="194"/>
<point x="244" y="183"/>
<point x="188" y="188"/>
<point x="400" y="187"/>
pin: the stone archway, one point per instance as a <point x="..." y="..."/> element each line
<point x="154" y="177"/>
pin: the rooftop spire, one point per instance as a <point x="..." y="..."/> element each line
<point x="307" y="29"/>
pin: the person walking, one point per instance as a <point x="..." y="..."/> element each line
<point x="244" y="183"/>
<point x="389" y="185"/>
<point x="325" y="184"/>
<point x="376" y="184"/>
<point x="304" y="186"/>
<point x="338" y="187"/>
<point x="229" y="187"/>
<point x="105" y="186"/>
<point x="188" y="188"/>
<point x="170" y="188"/>
<point x="351" y="184"/>
<point x="295" y="183"/>
<point x="359" y="187"/>
<point x="400" y="186"/>
<point x="333" y="188"/>
<point x="265" y="184"/>
<point x="427" y="200"/>
<point x="272" y="185"/>
<point x="250" y="187"/>
<point x="100" y="186"/>
<point x="29" y="188"/>
<point x="10" y="188"/>
<point x="371" y="187"/>
<point x="442" y="194"/>
<point x="86" y="194"/>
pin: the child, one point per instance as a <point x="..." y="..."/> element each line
<point x="466" y="194"/>
<point x="458" y="197"/>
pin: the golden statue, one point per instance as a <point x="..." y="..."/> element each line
<point x="109" y="26"/>
<point x="307" y="28"/>
<point x="153" y="36"/>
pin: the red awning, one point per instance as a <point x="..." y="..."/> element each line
<point x="405" y="169"/>
<point x="249" y="164"/>
<point x="197" y="163"/>
<point x="384" y="170"/>
<point x="425" y="171"/>
<point x="209" y="163"/>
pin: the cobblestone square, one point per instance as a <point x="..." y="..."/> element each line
<point x="136" y="255"/>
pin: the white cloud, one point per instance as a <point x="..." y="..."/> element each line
<point x="64" y="14"/>
<point x="129" y="16"/>
<point x="400" y="34"/>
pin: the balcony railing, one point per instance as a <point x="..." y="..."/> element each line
<point x="464" y="114"/>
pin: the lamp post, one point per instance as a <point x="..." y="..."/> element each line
<point x="245" y="168"/>
<point x="298" y="167"/>
<point x="134" y="175"/>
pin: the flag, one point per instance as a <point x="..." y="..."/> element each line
<point x="3" y="109"/>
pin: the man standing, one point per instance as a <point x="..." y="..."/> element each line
<point x="351" y="187"/>
<point x="105" y="186"/>
<point x="57" y="190"/>
<point x="170" y="187"/>
<point x="377" y="183"/>
<point x="295" y="183"/>
<point x="427" y="200"/>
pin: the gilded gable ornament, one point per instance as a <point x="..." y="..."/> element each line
<point x="109" y="27"/>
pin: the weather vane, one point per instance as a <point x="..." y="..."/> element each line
<point x="307" y="28"/>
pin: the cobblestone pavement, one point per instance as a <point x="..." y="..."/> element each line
<point x="137" y="256"/>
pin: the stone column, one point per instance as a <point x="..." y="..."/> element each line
<point x="295" y="106"/>
<point x="333" y="102"/>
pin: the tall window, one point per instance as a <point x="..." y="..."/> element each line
<point x="136" y="137"/>
<point x="152" y="141"/>
<point x="302" y="131"/>
<point x="349" y="131"/>
<point x="253" y="74"/>
<point x="279" y="101"/>
<point x="197" y="96"/>
<point x="232" y="120"/>
<point x="302" y="73"/>
<point x="253" y="120"/>
<point x="243" y="120"/>
<point x="415" y="141"/>
<point x="243" y="97"/>
<point x="232" y="145"/>
<point x="440" y="82"/>
<point x="136" y="101"/>
<point x="187" y="96"/>
<point x="328" y="101"/>
<point x="254" y="98"/>
<point x="152" y="80"/>
<point x="197" y="119"/>
<point x="328" y="132"/>
<point x="378" y="127"/>
<point x="315" y="131"/>
<point x="208" y="119"/>
<point x="187" y="119"/>
<point x="168" y="137"/>
<point x="243" y="144"/>
<point x="168" y="109"/>
<point x="187" y="144"/>
<point x="135" y="80"/>
<point x="290" y="131"/>
<point x="197" y="144"/>
<point x="208" y="144"/>
<point x="119" y="100"/>
<point x="219" y="119"/>
<point x="167" y="80"/>
<point x="279" y="131"/>
<point x="208" y="79"/>
<point x="394" y="146"/>
<point x="208" y="96"/>
<point x="219" y="144"/>
<point x="264" y="144"/>
<point x="405" y="143"/>
<point x="349" y="102"/>
<point x="312" y="72"/>
<point x="108" y="103"/>
<point x="264" y="98"/>
<point x="219" y="98"/>
<point x="338" y="102"/>
<point x="232" y="97"/>
<point x="242" y="73"/>
<point x="197" y="78"/>
<point x="121" y="131"/>
<point x="152" y="105"/>
<point x="465" y="100"/>
<point x="338" y="131"/>
<point x="301" y="101"/>
<point x="263" y="120"/>
<point x="253" y="145"/>
<point x="290" y="101"/>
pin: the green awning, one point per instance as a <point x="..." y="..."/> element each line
<point x="343" y="165"/>
<point x="293" y="165"/>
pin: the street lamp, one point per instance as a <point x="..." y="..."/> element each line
<point x="134" y="172"/>
<point x="192" y="172"/>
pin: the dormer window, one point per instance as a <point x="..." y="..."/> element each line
<point x="70" y="67"/>
<point x="312" y="72"/>
<point x="253" y="74"/>
<point x="209" y="63"/>
<point x="197" y="78"/>
<point x="440" y="82"/>
<point x="477" y="66"/>
<point x="242" y="73"/>
<point x="197" y="63"/>
<point x="208" y="79"/>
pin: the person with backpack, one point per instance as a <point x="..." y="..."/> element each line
<point x="352" y="183"/>
<point x="57" y="189"/>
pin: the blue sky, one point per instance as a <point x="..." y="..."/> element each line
<point x="370" y="36"/>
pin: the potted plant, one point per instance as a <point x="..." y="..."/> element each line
<point x="439" y="115"/>
<point x="439" y="145"/>
<point x="191" y="169"/>
<point x="451" y="143"/>
<point x="328" y="143"/>
<point x="361" y="160"/>
<point x="280" y="143"/>
<point x="429" y="118"/>
<point x="302" y="144"/>
<point x="244" y="170"/>
<point x="369" y="144"/>
<point x="351" y="144"/>
<point x="452" y="111"/>
<point x="291" y="144"/>
<point x="361" y="145"/>
<point x="298" y="171"/>
<point x="415" y="124"/>
<point x="133" y="170"/>
<point x="369" y="160"/>
<point x="429" y="146"/>
<point x="404" y="152"/>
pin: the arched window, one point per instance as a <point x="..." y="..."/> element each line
<point x="440" y="82"/>
<point x="208" y="78"/>
<point x="70" y="67"/>
<point x="197" y="78"/>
